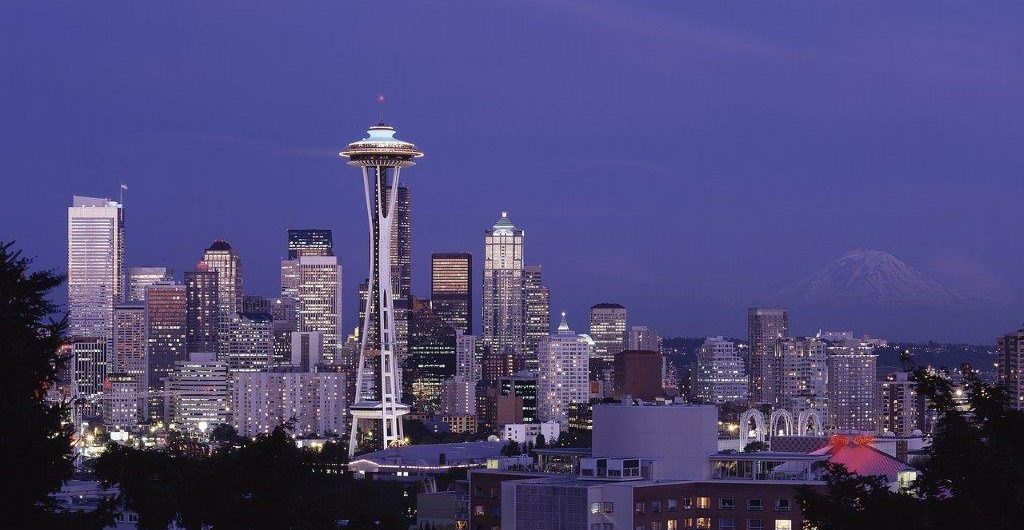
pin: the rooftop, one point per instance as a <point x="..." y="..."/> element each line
<point x="429" y="455"/>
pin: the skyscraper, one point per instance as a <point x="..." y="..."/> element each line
<point x="141" y="277"/>
<point x="432" y="357"/>
<point x="608" y="329"/>
<point x="721" y="377"/>
<point x="166" y="325"/>
<point x="310" y="242"/>
<point x="764" y="327"/>
<point x="644" y="338"/>
<point x="451" y="288"/>
<point x="801" y="374"/>
<point x="401" y="268"/>
<point x="199" y="393"/>
<point x="564" y="373"/>
<point x="129" y="349"/>
<point x="247" y="342"/>
<point x="638" y="373"/>
<point x="379" y="155"/>
<point x="95" y="265"/>
<point x="504" y="326"/>
<point x="901" y="409"/>
<point x="1010" y="372"/>
<point x="537" y="308"/>
<point x="90" y="366"/>
<point x="316" y="289"/>
<point x="852" y="386"/>
<point x="165" y="329"/>
<point x="202" y="309"/>
<point x="226" y="262"/>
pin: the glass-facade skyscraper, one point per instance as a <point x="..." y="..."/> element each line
<point x="310" y="242"/>
<point x="504" y="315"/>
<point x="226" y="262"/>
<point x="95" y="265"/>
<point x="451" y="289"/>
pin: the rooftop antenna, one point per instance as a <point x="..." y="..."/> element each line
<point x="380" y="103"/>
<point x="120" y="198"/>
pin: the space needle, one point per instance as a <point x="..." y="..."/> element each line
<point x="382" y="158"/>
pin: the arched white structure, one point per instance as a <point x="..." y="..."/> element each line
<point x="759" y="425"/>
<point x="787" y="423"/>
<point x="812" y="417"/>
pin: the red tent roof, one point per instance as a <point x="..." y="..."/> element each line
<point x="861" y="458"/>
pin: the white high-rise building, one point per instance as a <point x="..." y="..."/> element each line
<point x="466" y="364"/>
<point x="608" y="329"/>
<point x="314" y="282"/>
<point x="141" y="277"/>
<point x="198" y="393"/>
<point x="315" y="400"/>
<point x="247" y="342"/>
<point x="563" y="373"/>
<point x="721" y="376"/>
<point x="504" y="312"/>
<point x="802" y="377"/>
<point x="459" y="396"/>
<point x="852" y="386"/>
<point x="95" y="265"/>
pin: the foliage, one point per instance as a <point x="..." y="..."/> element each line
<point x="267" y="483"/>
<point x="755" y="446"/>
<point x="36" y="445"/>
<point x="574" y="438"/>
<point x="418" y="433"/>
<point x="511" y="448"/>
<point x="970" y="476"/>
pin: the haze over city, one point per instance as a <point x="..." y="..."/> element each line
<point x="683" y="161"/>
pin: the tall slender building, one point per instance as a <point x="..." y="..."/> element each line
<point x="432" y="357"/>
<point x="202" y="309"/>
<point x="764" y="328"/>
<point x="226" y="262"/>
<point x="852" y="386"/>
<point x="381" y="158"/>
<point x="563" y="374"/>
<point x="608" y="329"/>
<point x="537" y="310"/>
<point x="800" y="377"/>
<point x="310" y="242"/>
<point x="165" y="335"/>
<point x="95" y="265"/>
<point x="644" y="338"/>
<point x="129" y="348"/>
<point x="504" y="314"/>
<point x="451" y="288"/>
<point x="1010" y="372"/>
<point x="141" y="277"/>
<point x="90" y="366"/>
<point x="317" y="294"/>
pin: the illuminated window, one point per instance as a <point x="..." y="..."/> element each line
<point x="638" y="508"/>
<point x="704" y="523"/>
<point x="783" y="524"/>
<point x="703" y="502"/>
<point x="478" y="510"/>
<point x="671" y="525"/>
<point x="687" y="503"/>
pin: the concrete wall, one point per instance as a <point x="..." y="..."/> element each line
<point x="681" y="437"/>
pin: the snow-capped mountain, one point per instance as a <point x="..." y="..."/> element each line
<point x="871" y="278"/>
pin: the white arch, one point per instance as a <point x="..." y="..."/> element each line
<point x="759" y="426"/>
<point x="787" y="422"/>
<point x="813" y="417"/>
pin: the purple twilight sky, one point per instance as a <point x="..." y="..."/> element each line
<point x="685" y="159"/>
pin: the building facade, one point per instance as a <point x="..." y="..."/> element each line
<point x="764" y="328"/>
<point x="638" y="373"/>
<point x="315" y="282"/>
<point x="95" y="265"/>
<point x="165" y="333"/>
<point x="315" y="400"/>
<point x="852" y="386"/>
<point x="451" y="289"/>
<point x="141" y="277"/>
<point x="1009" y="374"/>
<point x="247" y="342"/>
<point x="720" y="374"/>
<point x="537" y="308"/>
<point x="432" y="357"/>
<point x="198" y="393"/>
<point x="608" y="329"/>
<point x="644" y="338"/>
<point x="202" y="309"/>
<point x="563" y="373"/>
<point x="504" y="314"/>
<point x="310" y="242"/>
<point x="226" y="262"/>
<point x="802" y="375"/>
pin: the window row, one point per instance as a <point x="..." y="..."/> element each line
<point x="705" y="523"/>
<point x="704" y="503"/>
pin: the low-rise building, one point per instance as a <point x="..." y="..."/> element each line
<point x="528" y="432"/>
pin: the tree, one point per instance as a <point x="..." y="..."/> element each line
<point x="970" y="476"/>
<point x="755" y="446"/>
<point x="541" y="442"/>
<point x="36" y="445"/>
<point x="511" y="448"/>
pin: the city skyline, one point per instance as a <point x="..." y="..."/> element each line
<point x="877" y="171"/>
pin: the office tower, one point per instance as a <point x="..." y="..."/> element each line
<point x="432" y="357"/>
<point x="307" y="350"/>
<point x="644" y="338"/>
<point x="495" y="365"/>
<point x="141" y="277"/>
<point x="537" y="308"/>
<point x="314" y="282"/>
<point x="466" y="365"/>
<point x="198" y="396"/>
<point x="95" y="265"/>
<point x="518" y="398"/>
<point x="563" y="373"/>
<point x="451" y="288"/>
<point x="246" y="342"/>
<point x="1009" y="373"/>
<point x="226" y="262"/>
<point x="254" y="303"/>
<point x="379" y="156"/>
<point x="401" y="270"/>
<point x="608" y="329"/>
<point x="129" y="349"/>
<point x="458" y="397"/>
<point x="202" y="309"/>
<point x="310" y="242"/>
<point x="852" y="386"/>
<point x="315" y="400"/>
<point x="638" y="374"/>
<point x="166" y="316"/>
<point x="504" y="314"/>
<point x="801" y="378"/>
<point x="121" y="401"/>
<point x="901" y="408"/>
<point x="720" y="375"/>
<point x="282" y="311"/>
<point x="764" y="327"/>
<point x="90" y="368"/>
